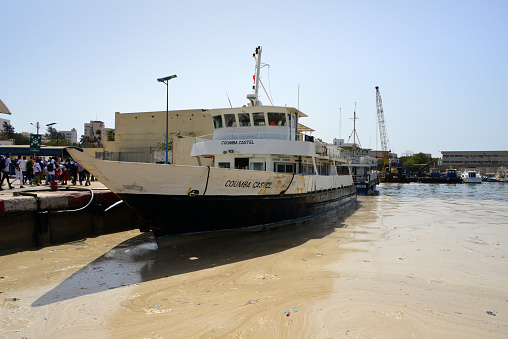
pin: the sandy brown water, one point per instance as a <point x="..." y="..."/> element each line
<point x="393" y="268"/>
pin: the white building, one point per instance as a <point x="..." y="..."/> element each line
<point x="71" y="136"/>
<point x="482" y="161"/>
<point x="96" y="129"/>
<point x="340" y="142"/>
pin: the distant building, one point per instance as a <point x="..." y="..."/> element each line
<point x="340" y="142"/>
<point x="484" y="161"/>
<point x="71" y="136"/>
<point x="96" y="129"/>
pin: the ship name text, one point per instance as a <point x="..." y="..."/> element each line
<point x="237" y="142"/>
<point x="248" y="184"/>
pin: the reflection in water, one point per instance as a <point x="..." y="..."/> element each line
<point x="139" y="259"/>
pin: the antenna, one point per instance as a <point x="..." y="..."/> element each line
<point x="228" y="99"/>
<point x="340" y="121"/>
<point x="298" y="97"/>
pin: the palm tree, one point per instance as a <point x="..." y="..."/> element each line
<point x="8" y="130"/>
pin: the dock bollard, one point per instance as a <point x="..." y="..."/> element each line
<point x="43" y="233"/>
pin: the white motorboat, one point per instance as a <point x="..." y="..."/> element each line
<point x="471" y="176"/>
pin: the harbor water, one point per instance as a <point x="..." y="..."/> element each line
<point x="417" y="260"/>
<point x="497" y="191"/>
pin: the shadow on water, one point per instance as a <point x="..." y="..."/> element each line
<point x="139" y="259"/>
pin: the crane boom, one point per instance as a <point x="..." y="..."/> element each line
<point x="382" y="128"/>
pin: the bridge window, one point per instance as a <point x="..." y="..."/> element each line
<point x="285" y="168"/>
<point x="242" y="163"/>
<point x="276" y="119"/>
<point x="244" y="119"/>
<point x="230" y="120"/>
<point x="217" y="121"/>
<point x="322" y="169"/>
<point x="308" y="169"/>
<point x="257" y="166"/>
<point x="224" y="165"/>
<point x="259" y="119"/>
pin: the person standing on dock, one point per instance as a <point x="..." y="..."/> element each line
<point x="5" y="170"/>
<point x="30" y="169"/>
<point x="17" y="170"/>
<point x="37" y="173"/>
<point x="81" y="173"/>
<point x="73" y="168"/>
<point x="50" y="167"/>
<point x="65" y="171"/>
<point x="23" y="167"/>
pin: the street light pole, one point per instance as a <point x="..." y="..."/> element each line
<point x="165" y="80"/>
<point x="53" y="123"/>
<point x="37" y="126"/>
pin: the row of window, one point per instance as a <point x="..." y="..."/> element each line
<point x="282" y="168"/>
<point x="245" y="119"/>
<point x="474" y="162"/>
<point x="469" y="155"/>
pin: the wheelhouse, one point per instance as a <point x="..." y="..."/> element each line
<point x="266" y="138"/>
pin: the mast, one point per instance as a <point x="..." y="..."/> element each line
<point x="258" y="71"/>
<point x="354" y="127"/>
<point x="354" y="134"/>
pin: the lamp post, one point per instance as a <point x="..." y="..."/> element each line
<point x="165" y="80"/>
<point x="53" y="123"/>
<point x="37" y="126"/>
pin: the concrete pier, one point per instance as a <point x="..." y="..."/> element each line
<point x="38" y="216"/>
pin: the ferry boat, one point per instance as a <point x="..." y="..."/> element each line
<point x="363" y="168"/>
<point x="471" y="176"/>
<point x="265" y="173"/>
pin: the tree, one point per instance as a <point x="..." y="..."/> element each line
<point x="161" y="145"/>
<point x="8" y="130"/>
<point x="87" y="142"/>
<point x="415" y="162"/>
<point x="20" y="139"/>
<point x="111" y="135"/>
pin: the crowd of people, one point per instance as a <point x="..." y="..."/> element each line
<point x="36" y="170"/>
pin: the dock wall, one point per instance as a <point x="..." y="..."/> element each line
<point x="44" y="219"/>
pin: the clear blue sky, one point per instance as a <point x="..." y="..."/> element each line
<point x="442" y="66"/>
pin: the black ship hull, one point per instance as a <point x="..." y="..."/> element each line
<point x="173" y="215"/>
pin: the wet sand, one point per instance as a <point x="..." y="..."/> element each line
<point x="394" y="268"/>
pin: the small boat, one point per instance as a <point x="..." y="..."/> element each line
<point x="450" y="177"/>
<point x="501" y="174"/>
<point x="265" y="173"/>
<point x="471" y="176"/>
